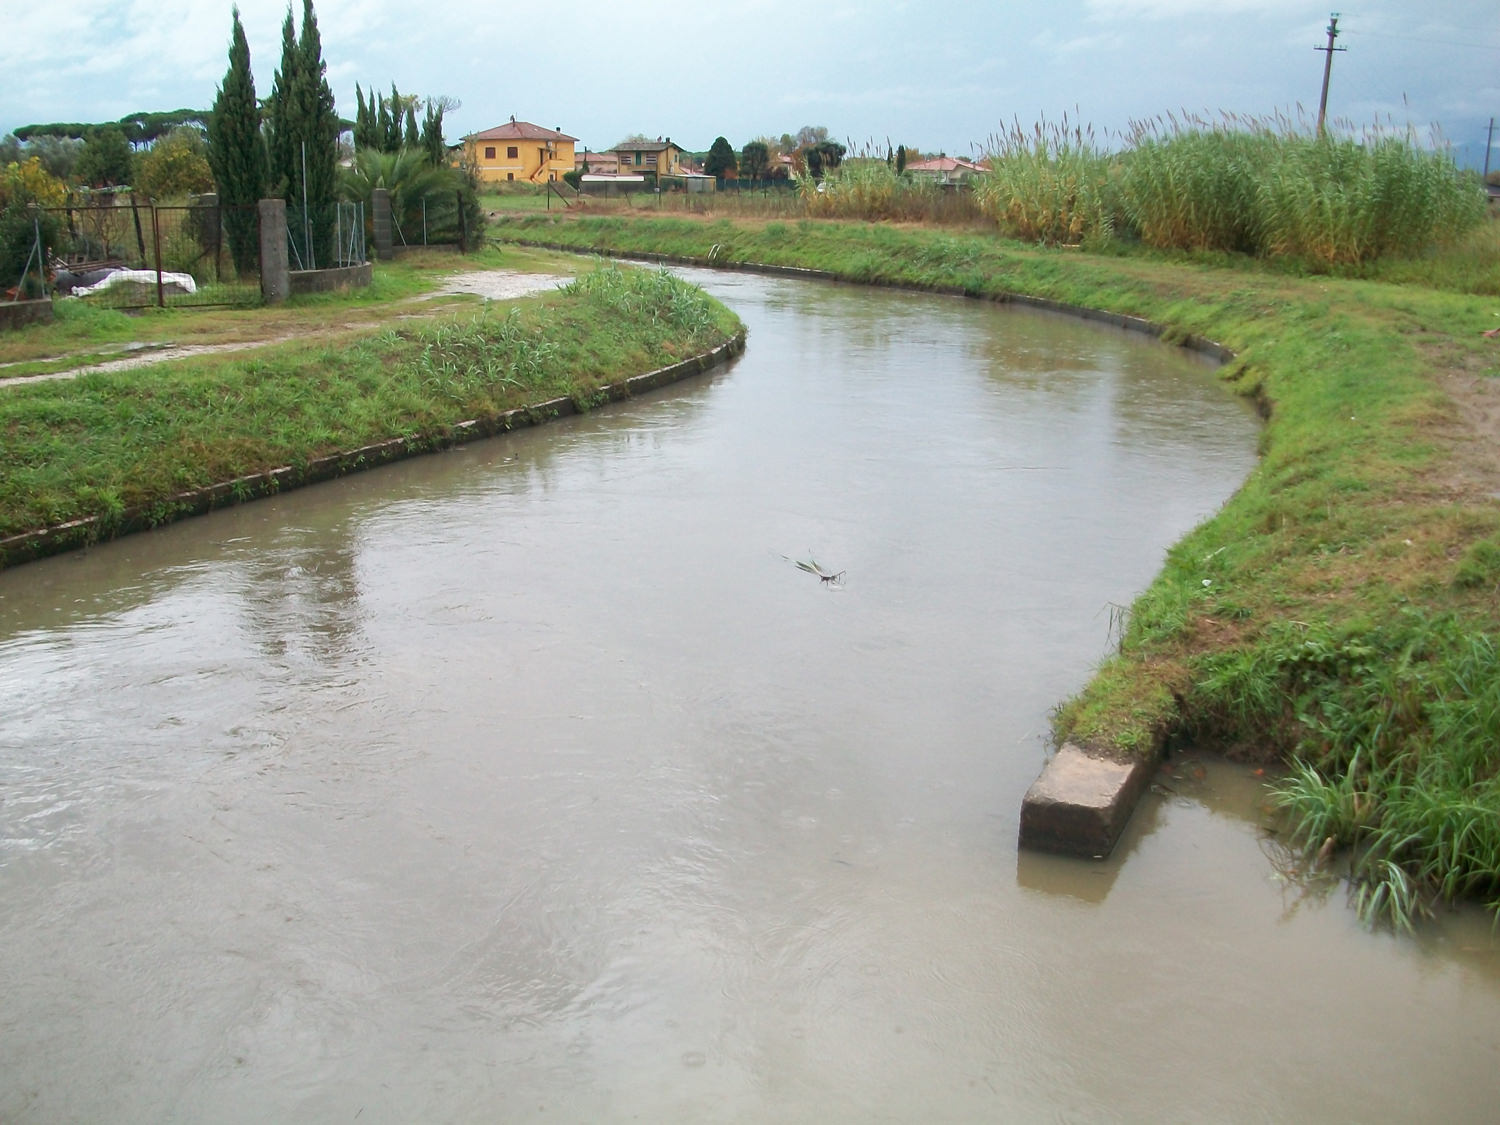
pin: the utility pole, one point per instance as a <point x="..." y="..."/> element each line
<point x="1333" y="33"/>
<point x="1489" y="143"/>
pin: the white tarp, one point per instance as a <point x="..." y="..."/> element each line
<point x="183" y="281"/>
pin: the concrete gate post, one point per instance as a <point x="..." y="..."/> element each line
<point x="275" y="272"/>
<point x="380" y="220"/>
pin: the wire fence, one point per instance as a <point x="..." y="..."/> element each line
<point x="123" y="253"/>
<point x="434" y="220"/>
<point x="326" y="236"/>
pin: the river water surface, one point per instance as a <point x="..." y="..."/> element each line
<point x="534" y="781"/>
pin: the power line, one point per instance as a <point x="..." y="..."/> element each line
<point x="1420" y="39"/>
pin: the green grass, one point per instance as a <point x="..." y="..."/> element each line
<point x="106" y="443"/>
<point x="521" y="199"/>
<point x="83" y="332"/>
<point x="1341" y="612"/>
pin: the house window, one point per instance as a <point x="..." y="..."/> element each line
<point x="552" y="176"/>
<point x="638" y="157"/>
<point x="489" y="152"/>
<point x="512" y="152"/>
<point x="510" y="175"/>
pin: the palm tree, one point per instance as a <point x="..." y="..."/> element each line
<point x="412" y="180"/>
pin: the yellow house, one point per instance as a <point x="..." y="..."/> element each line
<point x="658" y="158"/>
<point x="519" y="152"/>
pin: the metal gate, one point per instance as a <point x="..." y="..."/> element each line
<point x="128" y="254"/>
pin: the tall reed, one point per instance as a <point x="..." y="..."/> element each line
<point x="1338" y="201"/>
<point x="1194" y="188"/>
<point x="1050" y="183"/>
<point x="867" y="186"/>
<point x="1267" y="187"/>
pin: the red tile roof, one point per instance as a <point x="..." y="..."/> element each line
<point x="647" y="146"/>
<point x="946" y="164"/>
<point x="514" y="130"/>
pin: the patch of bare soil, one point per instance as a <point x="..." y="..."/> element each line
<point x="1473" y="472"/>
<point x="499" y="285"/>
<point x="145" y="358"/>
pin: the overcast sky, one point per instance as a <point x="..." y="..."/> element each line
<point x="934" y="74"/>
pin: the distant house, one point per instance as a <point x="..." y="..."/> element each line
<point x="519" y="152"/>
<point x="946" y="169"/>
<point x="658" y="157"/>
<point x="599" y="163"/>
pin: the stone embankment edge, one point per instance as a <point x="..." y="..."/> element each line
<point x="42" y="542"/>
<point x="1081" y="802"/>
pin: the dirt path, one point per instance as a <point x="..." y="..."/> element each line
<point x="493" y="285"/>
<point x="1474" y="431"/>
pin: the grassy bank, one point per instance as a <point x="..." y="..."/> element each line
<point x="105" y="444"/>
<point x="83" y="333"/>
<point x="1342" y="611"/>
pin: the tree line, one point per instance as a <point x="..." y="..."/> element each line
<point x="811" y="152"/>
<point x="286" y="146"/>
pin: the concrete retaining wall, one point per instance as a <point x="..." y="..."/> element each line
<point x="328" y="281"/>
<point x="17" y="314"/>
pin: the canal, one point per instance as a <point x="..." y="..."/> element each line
<point x="534" y="781"/>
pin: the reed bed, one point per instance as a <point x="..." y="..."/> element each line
<point x="1263" y="187"/>
<point x="1194" y="190"/>
<point x="1051" y="183"/>
<point x="868" y="187"/>
<point x="1341" y="202"/>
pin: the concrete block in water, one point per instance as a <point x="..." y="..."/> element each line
<point x="1080" y="804"/>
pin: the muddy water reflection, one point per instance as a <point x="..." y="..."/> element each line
<point x="533" y="781"/>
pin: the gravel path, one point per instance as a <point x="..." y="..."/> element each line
<point x="500" y="285"/>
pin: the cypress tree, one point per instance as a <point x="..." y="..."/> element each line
<point x="304" y="136"/>
<point x="236" y="152"/>
<point x="282" y="131"/>
<point x="432" y="136"/>
<point x="362" y="121"/>
<point x="393" y="123"/>
<point x="410" y="139"/>
<point x="319" y="126"/>
<point x="379" y="137"/>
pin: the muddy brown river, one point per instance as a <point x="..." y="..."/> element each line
<point x="533" y="781"/>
